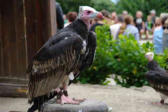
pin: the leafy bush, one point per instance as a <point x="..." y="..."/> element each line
<point x="163" y="59"/>
<point x="124" y="57"/>
<point x="100" y="69"/>
<point x="129" y="62"/>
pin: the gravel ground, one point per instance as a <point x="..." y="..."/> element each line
<point x="119" y="98"/>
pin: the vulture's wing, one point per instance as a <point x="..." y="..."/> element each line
<point x="158" y="80"/>
<point x="54" y="61"/>
<point x="90" y="53"/>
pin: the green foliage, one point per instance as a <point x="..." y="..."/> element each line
<point x="162" y="59"/>
<point x="130" y="5"/>
<point x="125" y="58"/>
<point x="73" y="5"/>
<point x="103" y="4"/>
<point x="144" y="5"/>
<point x="100" y="69"/>
<point x="129" y="62"/>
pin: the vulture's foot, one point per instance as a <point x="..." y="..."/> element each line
<point x="65" y="93"/>
<point x="67" y="100"/>
<point x="79" y="100"/>
<point x="62" y="98"/>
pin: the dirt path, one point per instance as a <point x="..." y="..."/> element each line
<point x="119" y="98"/>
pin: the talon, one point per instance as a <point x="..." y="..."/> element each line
<point x="79" y="100"/>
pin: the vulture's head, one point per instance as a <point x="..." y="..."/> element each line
<point x="149" y="56"/>
<point x="86" y="14"/>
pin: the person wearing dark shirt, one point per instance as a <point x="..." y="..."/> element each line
<point x="59" y="16"/>
<point x="165" y="33"/>
<point x="96" y="22"/>
<point x="148" y="26"/>
<point x="153" y="15"/>
<point x="139" y="23"/>
<point x="93" y="28"/>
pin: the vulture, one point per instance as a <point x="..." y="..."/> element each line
<point x="157" y="77"/>
<point x="61" y="59"/>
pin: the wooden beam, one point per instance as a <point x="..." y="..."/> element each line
<point x="13" y="90"/>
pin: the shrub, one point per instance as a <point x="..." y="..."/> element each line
<point x="125" y="58"/>
<point x="100" y="69"/>
<point x="129" y="63"/>
<point x="163" y="59"/>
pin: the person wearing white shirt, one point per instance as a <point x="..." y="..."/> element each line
<point x="114" y="29"/>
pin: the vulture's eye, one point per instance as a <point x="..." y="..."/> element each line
<point x="88" y="12"/>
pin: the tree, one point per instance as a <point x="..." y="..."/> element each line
<point x="144" y="5"/>
<point x="103" y="4"/>
<point x="73" y="5"/>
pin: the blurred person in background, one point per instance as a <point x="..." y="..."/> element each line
<point x="158" y="36"/>
<point x="153" y="15"/>
<point x="59" y="16"/>
<point x="115" y="29"/>
<point x="71" y="16"/>
<point x="65" y="19"/>
<point x="107" y="17"/>
<point x="96" y="22"/>
<point x="139" y="22"/>
<point x="113" y="16"/>
<point x="124" y="13"/>
<point x="148" y="26"/>
<point x="130" y="28"/>
<point x="165" y="32"/>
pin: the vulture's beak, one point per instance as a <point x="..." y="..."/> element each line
<point x="99" y="15"/>
<point x="96" y="15"/>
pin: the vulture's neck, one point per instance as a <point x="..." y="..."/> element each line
<point x="80" y="27"/>
<point x="152" y="65"/>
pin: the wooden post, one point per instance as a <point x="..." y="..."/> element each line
<point x="12" y="39"/>
<point x="13" y="59"/>
<point x="40" y="24"/>
<point x="25" y="25"/>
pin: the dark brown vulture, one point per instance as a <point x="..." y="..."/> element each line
<point x="61" y="59"/>
<point x="157" y="77"/>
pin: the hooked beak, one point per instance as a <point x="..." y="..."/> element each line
<point x="96" y="15"/>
